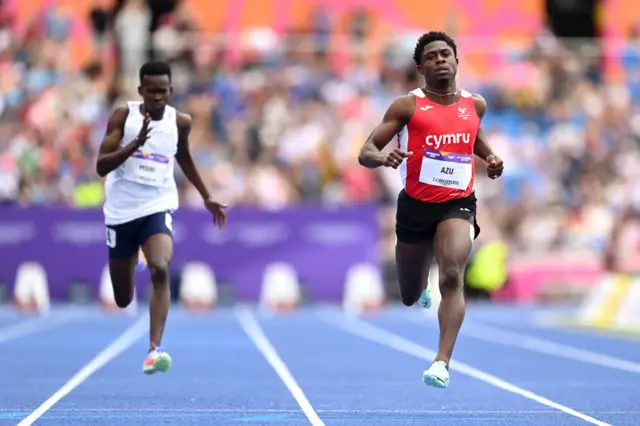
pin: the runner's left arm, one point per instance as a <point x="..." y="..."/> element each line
<point x="481" y="148"/>
<point x="184" y="158"/>
<point x="185" y="161"/>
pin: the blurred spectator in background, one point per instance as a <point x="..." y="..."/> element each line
<point x="132" y="31"/>
<point x="284" y="124"/>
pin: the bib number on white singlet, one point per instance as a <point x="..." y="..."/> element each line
<point x="448" y="170"/>
<point x="146" y="171"/>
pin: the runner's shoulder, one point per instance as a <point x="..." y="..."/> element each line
<point x="480" y="103"/>
<point x="120" y="112"/>
<point x="403" y="106"/>
<point x="184" y="120"/>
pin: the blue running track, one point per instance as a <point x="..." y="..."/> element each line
<point x="239" y="366"/>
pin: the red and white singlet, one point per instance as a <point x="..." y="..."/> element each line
<point x="441" y="138"/>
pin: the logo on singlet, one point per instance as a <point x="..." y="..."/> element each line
<point x="462" y="113"/>
<point x="147" y="155"/>
<point x="437" y="141"/>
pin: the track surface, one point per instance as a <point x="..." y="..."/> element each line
<point x="319" y="366"/>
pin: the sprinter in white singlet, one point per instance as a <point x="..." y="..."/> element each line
<point x="137" y="157"/>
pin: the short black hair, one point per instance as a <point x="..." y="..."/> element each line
<point x="430" y="37"/>
<point x="155" y="68"/>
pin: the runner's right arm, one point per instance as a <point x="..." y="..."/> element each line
<point x="110" y="157"/>
<point x="395" y="118"/>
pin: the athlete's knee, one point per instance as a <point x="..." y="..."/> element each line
<point x="451" y="279"/>
<point x="123" y="299"/>
<point x="159" y="270"/>
<point x="122" y="279"/>
<point x="409" y="299"/>
<point x="410" y="291"/>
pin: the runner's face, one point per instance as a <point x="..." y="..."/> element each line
<point x="438" y="62"/>
<point x="155" y="91"/>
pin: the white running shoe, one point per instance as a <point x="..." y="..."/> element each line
<point x="437" y="375"/>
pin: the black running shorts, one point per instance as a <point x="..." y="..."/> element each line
<point x="125" y="239"/>
<point x="417" y="221"/>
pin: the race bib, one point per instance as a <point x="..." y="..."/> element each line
<point x="449" y="170"/>
<point x="147" y="168"/>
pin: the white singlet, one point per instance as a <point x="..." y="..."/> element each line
<point x="144" y="184"/>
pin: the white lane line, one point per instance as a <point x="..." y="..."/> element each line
<point x="35" y="325"/>
<point x="534" y="344"/>
<point x="391" y="340"/>
<point x="254" y="331"/>
<point x="108" y="354"/>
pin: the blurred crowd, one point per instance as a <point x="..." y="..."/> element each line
<point x="282" y="122"/>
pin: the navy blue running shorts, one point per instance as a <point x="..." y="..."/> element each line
<point x="125" y="239"/>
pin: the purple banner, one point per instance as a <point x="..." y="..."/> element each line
<point x="320" y="243"/>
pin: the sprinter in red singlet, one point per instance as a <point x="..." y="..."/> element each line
<point x="437" y="132"/>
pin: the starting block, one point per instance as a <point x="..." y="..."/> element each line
<point x="31" y="290"/>
<point x="363" y="290"/>
<point x="198" y="287"/>
<point x="280" y="288"/>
